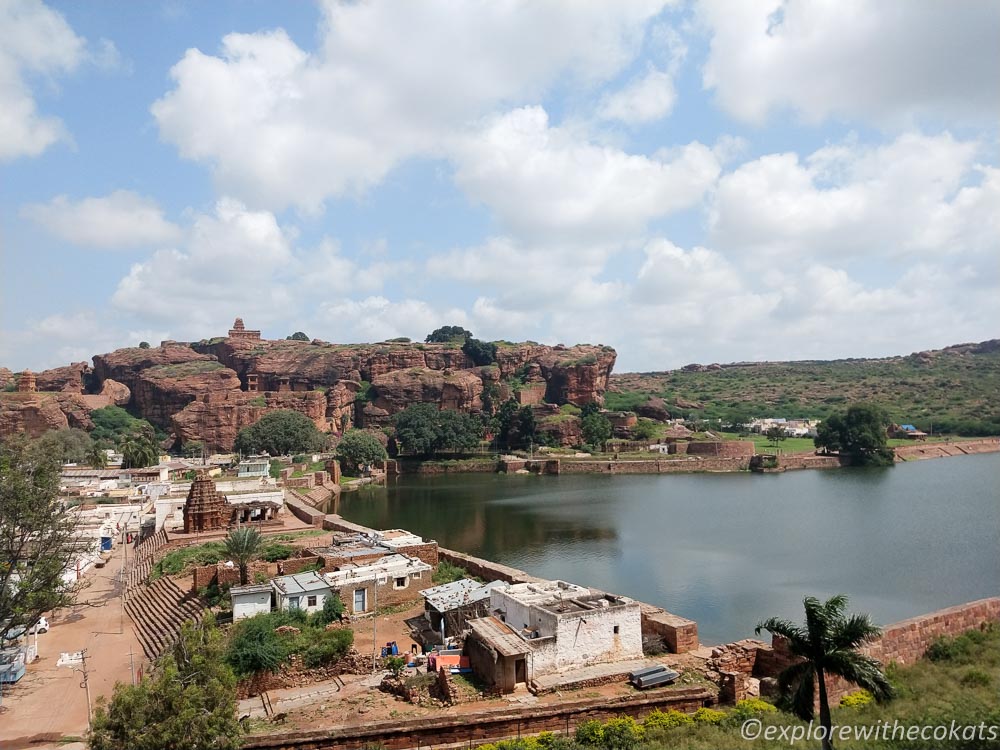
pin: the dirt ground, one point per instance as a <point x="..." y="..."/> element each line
<point x="48" y="703"/>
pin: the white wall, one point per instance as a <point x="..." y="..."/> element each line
<point x="248" y="605"/>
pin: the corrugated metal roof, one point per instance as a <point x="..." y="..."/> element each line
<point x="301" y="583"/>
<point x="499" y="635"/>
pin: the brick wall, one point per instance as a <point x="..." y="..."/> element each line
<point x="657" y="466"/>
<point x="205" y="575"/>
<point x="808" y="461"/>
<point x="427" y="552"/>
<point x="483" y="726"/>
<point x="485" y="569"/>
<point x="679" y="633"/>
<point x="721" y="448"/>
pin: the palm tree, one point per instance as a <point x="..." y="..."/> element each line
<point x="97" y="458"/>
<point x="828" y="645"/>
<point x="243" y="546"/>
<point x="138" y="452"/>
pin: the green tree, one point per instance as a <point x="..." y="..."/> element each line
<point x="69" y="446"/>
<point x="96" y="457"/>
<point x="143" y="344"/>
<point x="193" y="448"/>
<point x="280" y="433"/>
<point x="359" y="449"/>
<point x="112" y="423"/>
<point x="298" y="336"/>
<point x="775" y="434"/>
<point x="138" y="451"/>
<point x="243" y="546"/>
<point x="333" y="610"/>
<point x="188" y="703"/>
<point x="38" y="541"/>
<point x="645" y="429"/>
<point x="254" y="647"/>
<point x="515" y="426"/>
<point x="828" y="644"/>
<point x="423" y="429"/>
<point x="448" y="334"/>
<point x="596" y="428"/>
<point x="860" y="433"/>
<point x="480" y="352"/>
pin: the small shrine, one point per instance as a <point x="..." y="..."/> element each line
<point x="205" y="509"/>
<point x="26" y="382"/>
<point x="239" y="331"/>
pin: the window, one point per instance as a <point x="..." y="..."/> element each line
<point x="616" y="630"/>
<point x="400" y="583"/>
<point x="293" y="602"/>
<point x="311" y="602"/>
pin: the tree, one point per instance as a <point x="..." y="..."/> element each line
<point x="645" y="429"/>
<point x="38" y="541"/>
<point x="596" y="428"/>
<point x="423" y="429"/>
<point x="193" y="448"/>
<point x="359" y="449"/>
<point x="112" y="423"/>
<point x="188" y="702"/>
<point x="138" y="451"/>
<point x="448" y="334"/>
<point x="775" y="434"/>
<point x="69" y="446"/>
<point x="280" y="433"/>
<point x="143" y="344"/>
<point x="480" y="352"/>
<point x="254" y="647"/>
<point x="828" y="645"/>
<point x="243" y="546"/>
<point x="515" y="426"/>
<point x="298" y="336"/>
<point x="97" y="457"/>
<point x="333" y="610"/>
<point x="860" y="433"/>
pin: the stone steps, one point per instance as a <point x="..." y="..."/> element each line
<point x="157" y="611"/>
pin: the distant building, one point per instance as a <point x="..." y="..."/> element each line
<point x="254" y="466"/>
<point x="250" y="600"/>
<point x="301" y="591"/>
<point x="240" y="333"/>
<point x="449" y="607"/>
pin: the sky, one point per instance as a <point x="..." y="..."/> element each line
<point x="705" y="181"/>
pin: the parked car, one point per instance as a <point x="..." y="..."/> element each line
<point x="42" y="626"/>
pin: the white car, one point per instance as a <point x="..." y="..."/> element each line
<point x="42" y="626"/>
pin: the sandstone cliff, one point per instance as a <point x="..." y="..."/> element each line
<point x="209" y="390"/>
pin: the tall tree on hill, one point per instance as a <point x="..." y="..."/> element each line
<point x="827" y="645"/>
<point x="38" y="542"/>
<point x="447" y="335"/>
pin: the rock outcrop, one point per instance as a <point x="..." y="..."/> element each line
<point x="210" y="390"/>
<point x="35" y="413"/>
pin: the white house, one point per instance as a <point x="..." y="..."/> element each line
<point x="250" y="600"/>
<point x="301" y="591"/>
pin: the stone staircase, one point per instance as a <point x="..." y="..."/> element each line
<point x="143" y="558"/>
<point x="158" y="610"/>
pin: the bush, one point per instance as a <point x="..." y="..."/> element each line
<point x="280" y="433"/>
<point x="327" y="647"/>
<point x="447" y="573"/>
<point x="666" y="719"/>
<point x="590" y="732"/>
<point x="333" y="609"/>
<point x="709" y="716"/>
<point x="276" y="551"/>
<point x="857" y="699"/>
<point x="622" y="733"/>
<point x="254" y="646"/>
<point x="751" y="708"/>
<point x="976" y="678"/>
<point x="958" y="649"/>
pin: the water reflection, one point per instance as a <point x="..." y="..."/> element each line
<point x="726" y="550"/>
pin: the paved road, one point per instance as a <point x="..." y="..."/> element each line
<point x="48" y="703"/>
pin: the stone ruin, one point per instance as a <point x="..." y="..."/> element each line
<point x="205" y="509"/>
<point x="240" y="332"/>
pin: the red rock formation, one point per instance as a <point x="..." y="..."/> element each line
<point x="8" y="381"/>
<point x="35" y="413"/>
<point x="448" y="389"/>
<point x="69" y="379"/>
<point x="117" y="393"/>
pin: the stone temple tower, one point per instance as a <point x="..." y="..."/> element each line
<point x="26" y="382"/>
<point x="205" y="509"/>
<point x="239" y="331"/>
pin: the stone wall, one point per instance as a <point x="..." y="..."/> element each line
<point x="484" y="726"/>
<point x="721" y="448"/>
<point x="485" y="569"/>
<point x="807" y="461"/>
<point x="679" y="633"/>
<point x="225" y="575"/>
<point x="656" y="466"/>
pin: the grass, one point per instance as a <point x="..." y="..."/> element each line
<point x="953" y="390"/>
<point x="763" y="444"/>
<point x="184" y="369"/>
<point x="179" y="561"/>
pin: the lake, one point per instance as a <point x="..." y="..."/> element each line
<point x="726" y="550"/>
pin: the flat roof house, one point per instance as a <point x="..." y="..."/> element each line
<point x="250" y="600"/>
<point x="550" y="627"/>
<point x="449" y="607"/>
<point x="390" y="580"/>
<point x="305" y="591"/>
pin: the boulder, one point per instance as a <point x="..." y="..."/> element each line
<point x="654" y="408"/>
<point x="117" y="393"/>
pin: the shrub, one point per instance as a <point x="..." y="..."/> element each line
<point x="666" y="719"/>
<point x="590" y="732"/>
<point x="957" y="649"/>
<point x="750" y="708"/>
<point x="709" y="716"/>
<point x="976" y="678"/>
<point x="447" y="573"/>
<point x="332" y="610"/>
<point x="329" y="646"/>
<point x="857" y="699"/>
<point x="255" y="647"/>
<point x="275" y="552"/>
<point x="622" y="733"/>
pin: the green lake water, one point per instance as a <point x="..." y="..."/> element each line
<point x="727" y="550"/>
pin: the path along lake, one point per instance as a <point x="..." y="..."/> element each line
<point x="727" y="550"/>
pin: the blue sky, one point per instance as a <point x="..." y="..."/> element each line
<point x="689" y="182"/>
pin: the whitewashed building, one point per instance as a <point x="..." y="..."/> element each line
<point x="250" y="600"/>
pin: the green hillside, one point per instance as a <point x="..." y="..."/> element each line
<point x="953" y="390"/>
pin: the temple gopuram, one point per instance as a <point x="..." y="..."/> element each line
<point x="205" y="509"/>
<point x="239" y="331"/>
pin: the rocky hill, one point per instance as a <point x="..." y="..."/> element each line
<point x="955" y="389"/>
<point x="211" y="389"/>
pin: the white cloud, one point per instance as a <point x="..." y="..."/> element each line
<point x="282" y="126"/>
<point x="34" y="40"/>
<point x="122" y="219"/>
<point x="235" y="262"/>
<point x="544" y="181"/>
<point x="646" y="99"/>
<point x="885" y="61"/>
<point x="918" y="195"/>
<point x="377" y="318"/>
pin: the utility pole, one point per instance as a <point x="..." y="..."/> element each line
<point x="131" y="664"/>
<point x="85" y="684"/>
<point x="374" y="623"/>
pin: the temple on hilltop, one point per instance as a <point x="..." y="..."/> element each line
<point x="205" y="509"/>
<point x="26" y="382"/>
<point x="239" y="331"/>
